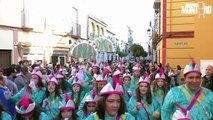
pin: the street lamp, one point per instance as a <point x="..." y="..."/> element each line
<point x="149" y="47"/>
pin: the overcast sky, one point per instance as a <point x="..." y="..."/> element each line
<point x="120" y="13"/>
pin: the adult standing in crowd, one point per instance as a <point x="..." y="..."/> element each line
<point x="208" y="78"/>
<point x="167" y="69"/>
<point x="177" y="75"/>
<point x="25" y="72"/>
<point x="9" y="107"/>
<point x="20" y="79"/>
<point x="189" y="101"/>
<point x="50" y="69"/>
<point x="10" y="72"/>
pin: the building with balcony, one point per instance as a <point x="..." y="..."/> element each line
<point x="100" y="42"/>
<point x="30" y="32"/>
<point x="185" y="32"/>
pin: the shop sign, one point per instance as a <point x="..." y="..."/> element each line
<point x="181" y="43"/>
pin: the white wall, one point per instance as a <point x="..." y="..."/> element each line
<point x="10" y="12"/>
<point x="82" y="18"/>
<point x="6" y="39"/>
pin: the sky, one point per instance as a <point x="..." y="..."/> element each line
<point x="119" y="14"/>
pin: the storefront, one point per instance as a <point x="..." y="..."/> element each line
<point x="59" y="57"/>
<point x="34" y="55"/>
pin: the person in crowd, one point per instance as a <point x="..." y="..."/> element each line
<point x="126" y="87"/>
<point x="3" y="113"/>
<point x="27" y="109"/>
<point x="57" y="67"/>
<point x="157" y="67"/>
<point x="20" y="79"/>
<point x="67" y="110"/>
<point x="107" y="71"/>
<point x="81" y="72"/>
<point x="189" y="101"/>
<point x="25" y="72"/>
<point x="152" y="73"/>
<point x="100" y="82"/>
<point x="64" y="86"/>
<point x="9" y="107"/>
<point x="111" y="105"/>
<point x="44" y="75"/>
<point x="167" y="69"/>
<point x="177" y="75"/>
<point x="208" y="78"/>
<point x="35" y="89"/>
<point x="144" y="106"/>
<point x="88" y="108"/>
<point x="65" y="72"/>
<point x="50" y="70"/>
<point x="91" y="75"/>
<point x="171" y="78"/>
<point x="77" y="93"/>
<point x="72" y="75"/>
<point x="53" y="98"/>
<point x="135" y="78"/>
<point x="21" y="63"/>
<point x="10" y="72"/>
<point x="117" y="77"/>
<point x="33" y="67"/>
<point x="121" y="66"/>
<point x="130" y="66"/>
<point x="160" y="87"/>
<point x="1" y="72"/>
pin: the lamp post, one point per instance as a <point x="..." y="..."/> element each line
<point x="149" y="32"/>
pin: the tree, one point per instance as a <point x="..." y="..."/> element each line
<point x="155" y="40"/>
<point x="138" y="51"/>
<point x="120" y="53"/>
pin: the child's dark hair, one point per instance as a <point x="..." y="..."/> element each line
<point x="74" y="116"/>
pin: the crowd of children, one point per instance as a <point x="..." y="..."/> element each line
<point x="85" y="91"/>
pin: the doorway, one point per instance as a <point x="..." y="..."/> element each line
<point x="5" y="58"/>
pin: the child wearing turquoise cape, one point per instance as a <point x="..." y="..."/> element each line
<point x="88" y="108"/>
<point x="111" y="105"/>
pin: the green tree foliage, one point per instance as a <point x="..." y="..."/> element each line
<point x="138" y="51"/>
<point x="121" y="54"/>
<point x="155" y="39"/>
